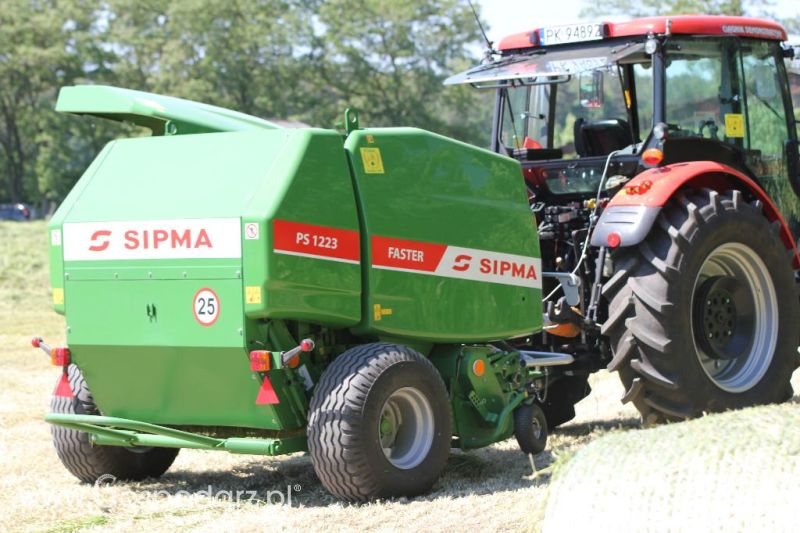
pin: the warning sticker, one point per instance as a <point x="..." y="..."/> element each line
<point x="734" y="125"/>
<point x="251" y="231"/>
<point x="205" y="307"/>
<point x="252" y="294"/>
<point x="373" y="163"/>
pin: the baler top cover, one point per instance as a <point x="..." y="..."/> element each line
<point x="161" y="114"/>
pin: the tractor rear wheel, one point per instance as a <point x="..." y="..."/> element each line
<point x="91" y="463"/>
<point x="703" y="314"/>
<point x="379" y="423"/>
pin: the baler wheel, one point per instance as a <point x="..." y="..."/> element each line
<point x="91" y="463"/>
<point x="530" y="428"/>
<point x="379" y="423"/>
<point x="703" y="313"/>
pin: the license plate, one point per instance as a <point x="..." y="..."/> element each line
<point x="571" y="33"/>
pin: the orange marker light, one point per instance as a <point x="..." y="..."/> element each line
<point x="260" y="360"/>
<point x="652" y="156"/>
<point x="478" y="367"/>
<point x="59" y="356"/>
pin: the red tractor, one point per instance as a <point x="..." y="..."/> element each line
<point x="661" y="159"/>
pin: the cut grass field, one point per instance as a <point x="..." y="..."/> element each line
<point x="489" y="489"/>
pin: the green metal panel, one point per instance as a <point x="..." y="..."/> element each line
<point x="301" y="280"/>
<point x="436" y="205"/>
<point x="130" y="301"/>
<point x="169" y="369"/>
<point x="161" y="114"/>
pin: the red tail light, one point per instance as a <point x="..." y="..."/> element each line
<point x="260" y="360"/>
<point x="60" y="356"/>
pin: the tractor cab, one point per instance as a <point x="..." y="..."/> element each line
<point x="690" y="87"/>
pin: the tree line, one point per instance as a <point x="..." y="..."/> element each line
<point x="300" y="60"/>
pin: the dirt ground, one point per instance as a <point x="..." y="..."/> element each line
<point x="487" y="490"/>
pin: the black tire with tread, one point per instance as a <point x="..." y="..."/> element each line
<point x="344" y="414"/>
<point x="91" y="463"/>
<point x="649" y="319"/>
<point x="530" y="441"/>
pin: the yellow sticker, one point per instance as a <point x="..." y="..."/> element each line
<point x="734" y="125"/>
<point x="627" y="98"/>
<point x="370" y="139"/>
<point x="373" y="164"/>
<point x="379" y="312"/>
<point x="252" y="294"/>
<point x="58" y="296"/>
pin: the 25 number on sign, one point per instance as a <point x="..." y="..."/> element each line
<point x="206" y="307"/>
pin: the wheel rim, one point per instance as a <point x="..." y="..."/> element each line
<point x="406" y="428"/>
<point x="536" y="428"/>
<point x="734" y="317"/>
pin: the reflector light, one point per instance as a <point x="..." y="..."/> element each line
<point x="35" y="342"/>
<point x="478" y="367"/>
<point x="267" y="394"/>
<point x="63" y="389"/>
<point x="60" y="356"/>
<point x="306" y="345"/>
<point x="260" y="360"/>
<point x="652" y="156"/>
<point x="614" y="239"/>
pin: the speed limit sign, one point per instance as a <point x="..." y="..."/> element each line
<point x="205" y="307"/>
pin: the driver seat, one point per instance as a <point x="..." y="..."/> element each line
<point x="601" y="137"/>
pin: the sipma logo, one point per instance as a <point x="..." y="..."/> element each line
<point x="159" y="238"/>
<point x="100" y="240"/>
<point x="152" y="239"/>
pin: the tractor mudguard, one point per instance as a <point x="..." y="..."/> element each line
<point x="633" y="210"/>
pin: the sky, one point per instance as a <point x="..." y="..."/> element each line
<point x="511" y="16"/>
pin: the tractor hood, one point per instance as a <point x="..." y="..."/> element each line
<point x="161" y="114"/>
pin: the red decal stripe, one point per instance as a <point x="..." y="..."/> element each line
<point x="63" y="389"/>
<point x="322" y="242"/>
<point x="408" y="255"/>
<point x="266" y="394"/>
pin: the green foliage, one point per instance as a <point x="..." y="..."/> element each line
<point x="304" y="60"/>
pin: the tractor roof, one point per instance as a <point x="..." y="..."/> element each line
<point x="678" y="24"/>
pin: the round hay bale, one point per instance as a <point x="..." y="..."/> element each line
<point x="738" y="471"/>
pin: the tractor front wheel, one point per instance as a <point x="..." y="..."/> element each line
<point x="379" y="423"/>
<point x="703" y="314"/>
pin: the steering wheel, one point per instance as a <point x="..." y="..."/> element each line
<point x="712" y="129"/>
